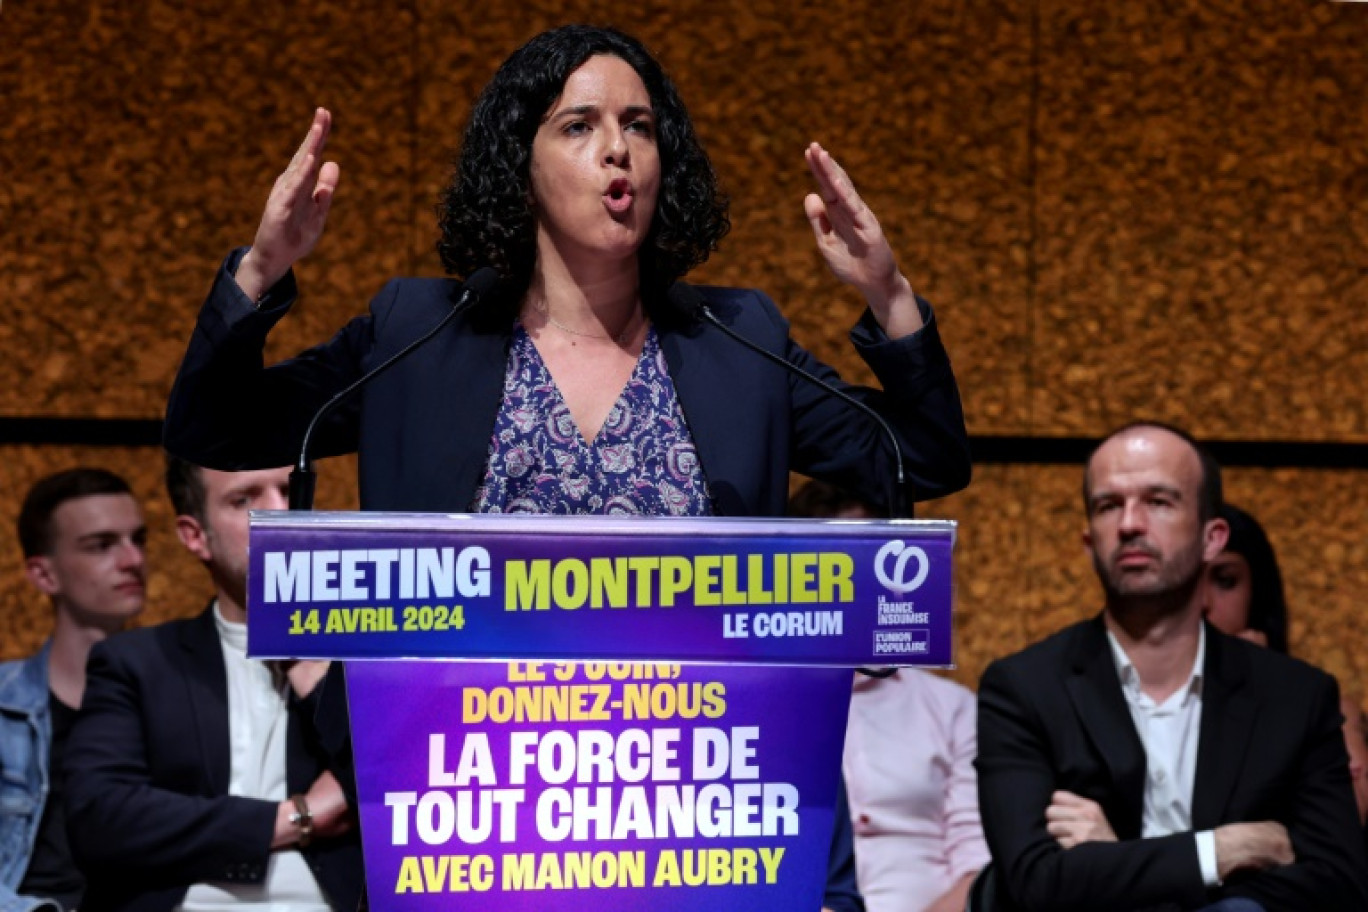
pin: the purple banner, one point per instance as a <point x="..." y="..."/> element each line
<point x="609" y="787"/>
<point x="794" y="592"/>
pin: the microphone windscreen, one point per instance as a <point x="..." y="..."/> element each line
<point x="480" y="283"/>
<point x="685" y="300"/>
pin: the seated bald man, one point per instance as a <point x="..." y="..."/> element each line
<point x="1143" y="759"/>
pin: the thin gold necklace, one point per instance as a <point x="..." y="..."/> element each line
<point x="540" y="306"/>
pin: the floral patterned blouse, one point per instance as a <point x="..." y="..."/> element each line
<point x="643" y="460"/>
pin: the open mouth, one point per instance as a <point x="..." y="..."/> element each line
<point x="618" y="196"/>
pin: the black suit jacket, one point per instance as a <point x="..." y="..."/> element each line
<point x="148" y="766"/>
<point x="1054" y="717"/>
<point x="423" y="429"/>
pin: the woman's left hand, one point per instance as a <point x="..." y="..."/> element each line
<point x="850" y="239"/>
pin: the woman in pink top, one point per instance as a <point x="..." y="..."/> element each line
<point x="909" y="771"/>
<point x="909" y="768"/>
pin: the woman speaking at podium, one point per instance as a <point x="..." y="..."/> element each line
<point x="578" y="385"/>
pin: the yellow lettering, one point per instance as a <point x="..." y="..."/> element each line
<point x="434" y="872"/>
<point x="570" y="583"/>
<point x="482" y="872"/>
<point x="836" y="569"/>
<point x="474" y="705"/>
<point x="642" y="568"/>
<point x="676" y="576"/>
<point x="525" y="671"/>
<point x="610" y="582"/>
<point x="578" y="870"/>
<point x="719" y="866"/>
<point x="667" y="870"/>
<point x="731" y="595"/>
<point x="803" y="575"/>
<point x="695" y="868"/>
<point x="631" y="869"/>
<point x="517" y="871"/>
<point x="743" y="866"/>
<point x="410" y="879"/>
<point x="756" y="593"/>
<point x="549" y="874"/>
<point x="528" y="586"/>
<point x="636" y="701"/>
<point x="706" y="568"/>
<point x="714" y="699"/>
<point x="770" y="858"/>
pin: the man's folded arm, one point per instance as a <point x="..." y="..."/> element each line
<point x="1016" y="781"/>
<point x="1330" y="871"/>
<point x="120" y="825"/>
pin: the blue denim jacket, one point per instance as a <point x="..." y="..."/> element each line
<point x="25" y="736"/>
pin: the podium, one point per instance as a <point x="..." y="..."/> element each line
<point x="614" y="713"/>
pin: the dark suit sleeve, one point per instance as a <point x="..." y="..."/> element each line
<point x="229" y="411"/>
<point x="919" y="400"/>
<point x="842" y="894"/>
<point x="332" y="723"/>
<point x="1016" y="777"/>
<point x="125" y="829"/>
<point x="1331" y="870"/>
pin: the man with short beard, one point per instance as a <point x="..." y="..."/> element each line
<point x="198" y="782"/>
<point x="1143" y="759"/>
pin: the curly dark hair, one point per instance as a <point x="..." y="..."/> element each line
<point x="484" y="213"/>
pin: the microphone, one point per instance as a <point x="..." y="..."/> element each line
<point x="686" y="300"/>
<point x="303" y="479"/>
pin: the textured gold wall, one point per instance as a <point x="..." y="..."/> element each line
<point x="1120" y="210"/>
<point x="1023" y="572"/>
<point x="177" y="584"/>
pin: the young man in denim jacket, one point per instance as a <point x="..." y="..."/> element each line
<point x="83" y="538"/>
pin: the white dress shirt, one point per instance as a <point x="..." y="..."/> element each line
<point x="258" y="722"/>
<point x="1170" y="732"/>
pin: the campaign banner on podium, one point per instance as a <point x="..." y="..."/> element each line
<point x="816" y="592"/>
<point x="607" y="786"/>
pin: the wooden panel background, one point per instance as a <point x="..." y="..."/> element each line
<point x="1135" y="210"/>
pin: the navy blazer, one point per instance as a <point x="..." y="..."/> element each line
<point x="423" y="430"/>
<point x="148" y="766"/>
<point x="1269" y="748"/>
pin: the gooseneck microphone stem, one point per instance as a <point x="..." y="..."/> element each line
<point x="690" y="304"/>
<point x="303" y="479"/>
<point x="900" y="497"/>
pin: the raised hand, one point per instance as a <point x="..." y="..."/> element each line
<point x="295" y="212"/>
<point x="853" y="244"/>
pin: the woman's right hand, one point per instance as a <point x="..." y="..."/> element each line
<point x="295" y="212"/>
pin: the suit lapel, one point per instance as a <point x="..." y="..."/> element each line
<point x="716" y="407"/>
<point x="427" y="443"/>
<point x="206" y="682"/>
<point x="1228" y="716"/>
<point x="472" y="370"/>
<point x="1095" y="691"/>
